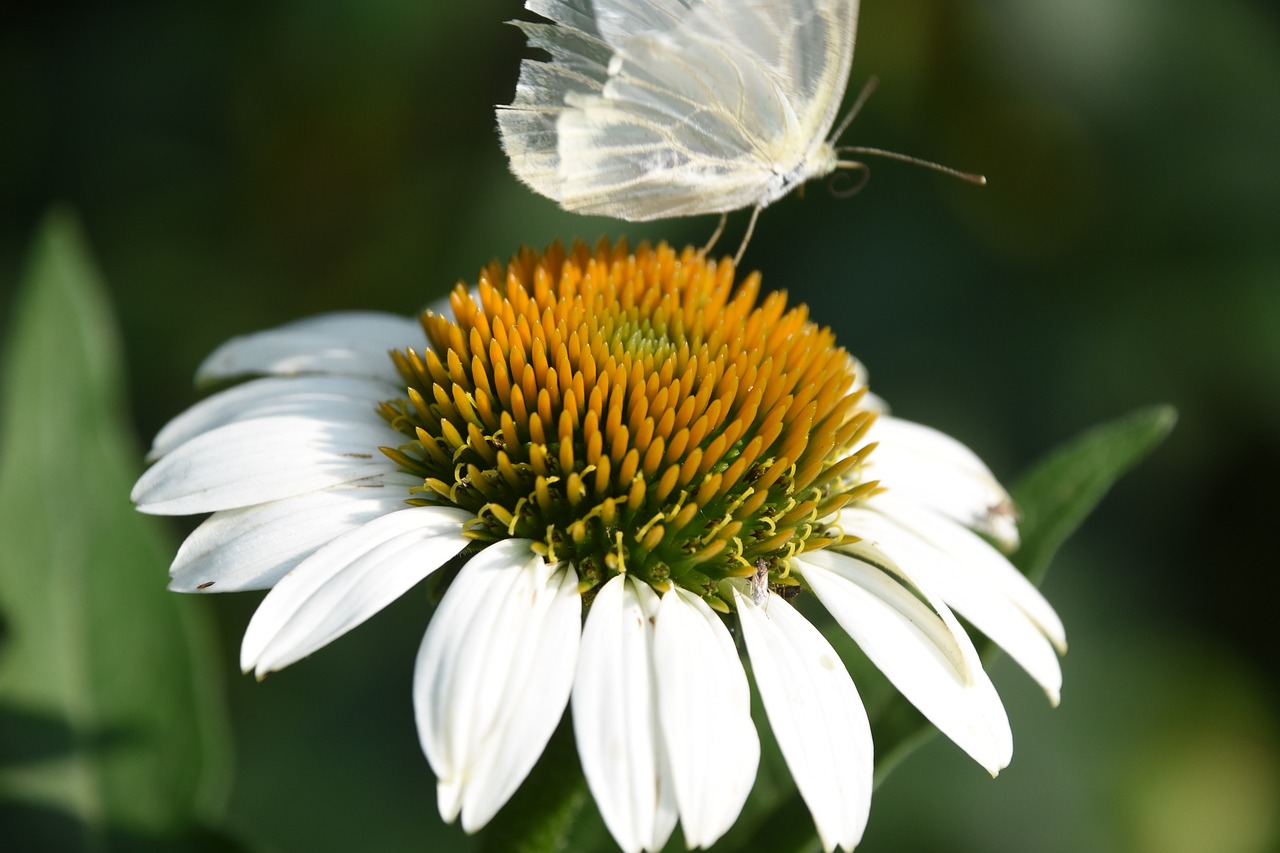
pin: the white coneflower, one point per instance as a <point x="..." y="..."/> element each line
<point x="614" y="457"/>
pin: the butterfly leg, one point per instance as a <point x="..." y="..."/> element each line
<point x="715" y="235"/>
<point x="746" y="238"/>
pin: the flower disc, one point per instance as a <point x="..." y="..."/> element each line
<point x="635" y="413"/>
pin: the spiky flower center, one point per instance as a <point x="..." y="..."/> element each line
<point x="635" y="413"/>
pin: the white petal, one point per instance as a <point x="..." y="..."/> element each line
<point x="933" y="469"/>
<point x="346" y="344"/>
<point x="252" y="462"/>
<point x="913" y="641"/>
<point x="906" y="614"/>
<point x="816" y="715"/>
<point x="980" y="558"/>
<point x="253" y="547"/>
<point x="267" y="397"/>
<point x="861" y="376"/>
<point x="973" y="579"/>
<point x="615" y="717"/>
<point x="701" y="682"/>
<point x="493" y="676"/>
<point x="347" y="581"/>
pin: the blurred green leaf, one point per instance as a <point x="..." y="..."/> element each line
<point x="1060" y="491"/>
<point x="111" y="667"/>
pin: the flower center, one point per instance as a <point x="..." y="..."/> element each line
<point x="635" y="413"/>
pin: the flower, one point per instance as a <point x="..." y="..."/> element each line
<point x="610" y="458"/>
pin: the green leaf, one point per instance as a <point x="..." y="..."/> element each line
<point x="1060" y="491"/>
<point x="105" y="668"/>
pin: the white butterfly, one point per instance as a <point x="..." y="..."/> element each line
<point x="657" y="108"/>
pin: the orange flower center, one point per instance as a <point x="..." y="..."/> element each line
<point x="636" y="413"/>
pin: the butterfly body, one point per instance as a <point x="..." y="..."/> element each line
<point x="657" y="108"/>
<point x="818" y="162"/>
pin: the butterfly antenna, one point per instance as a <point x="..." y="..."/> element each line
<point x="746" y="238"/>
<point x="867" y="89"/>
<point x="715" y="236"/>
<point x="970" y="177"/>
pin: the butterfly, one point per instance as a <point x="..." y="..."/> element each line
<point x="660" y="108"/>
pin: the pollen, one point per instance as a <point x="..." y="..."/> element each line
<point x="644" y="412"/>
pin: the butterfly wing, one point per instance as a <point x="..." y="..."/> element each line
<point x="656" y="108"/>
<point x="620" y="20"/>
<point x="579" y="63"/>
<point x="581" y="40"/>
<point x="683" y="125"/>
<point x="806" y="47"/>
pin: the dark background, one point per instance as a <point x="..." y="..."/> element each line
<point x="237" y="165"/>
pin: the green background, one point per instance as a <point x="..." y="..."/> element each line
<point x="237" y="165"/>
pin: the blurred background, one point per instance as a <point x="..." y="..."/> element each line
<point x="238" y="165"/>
